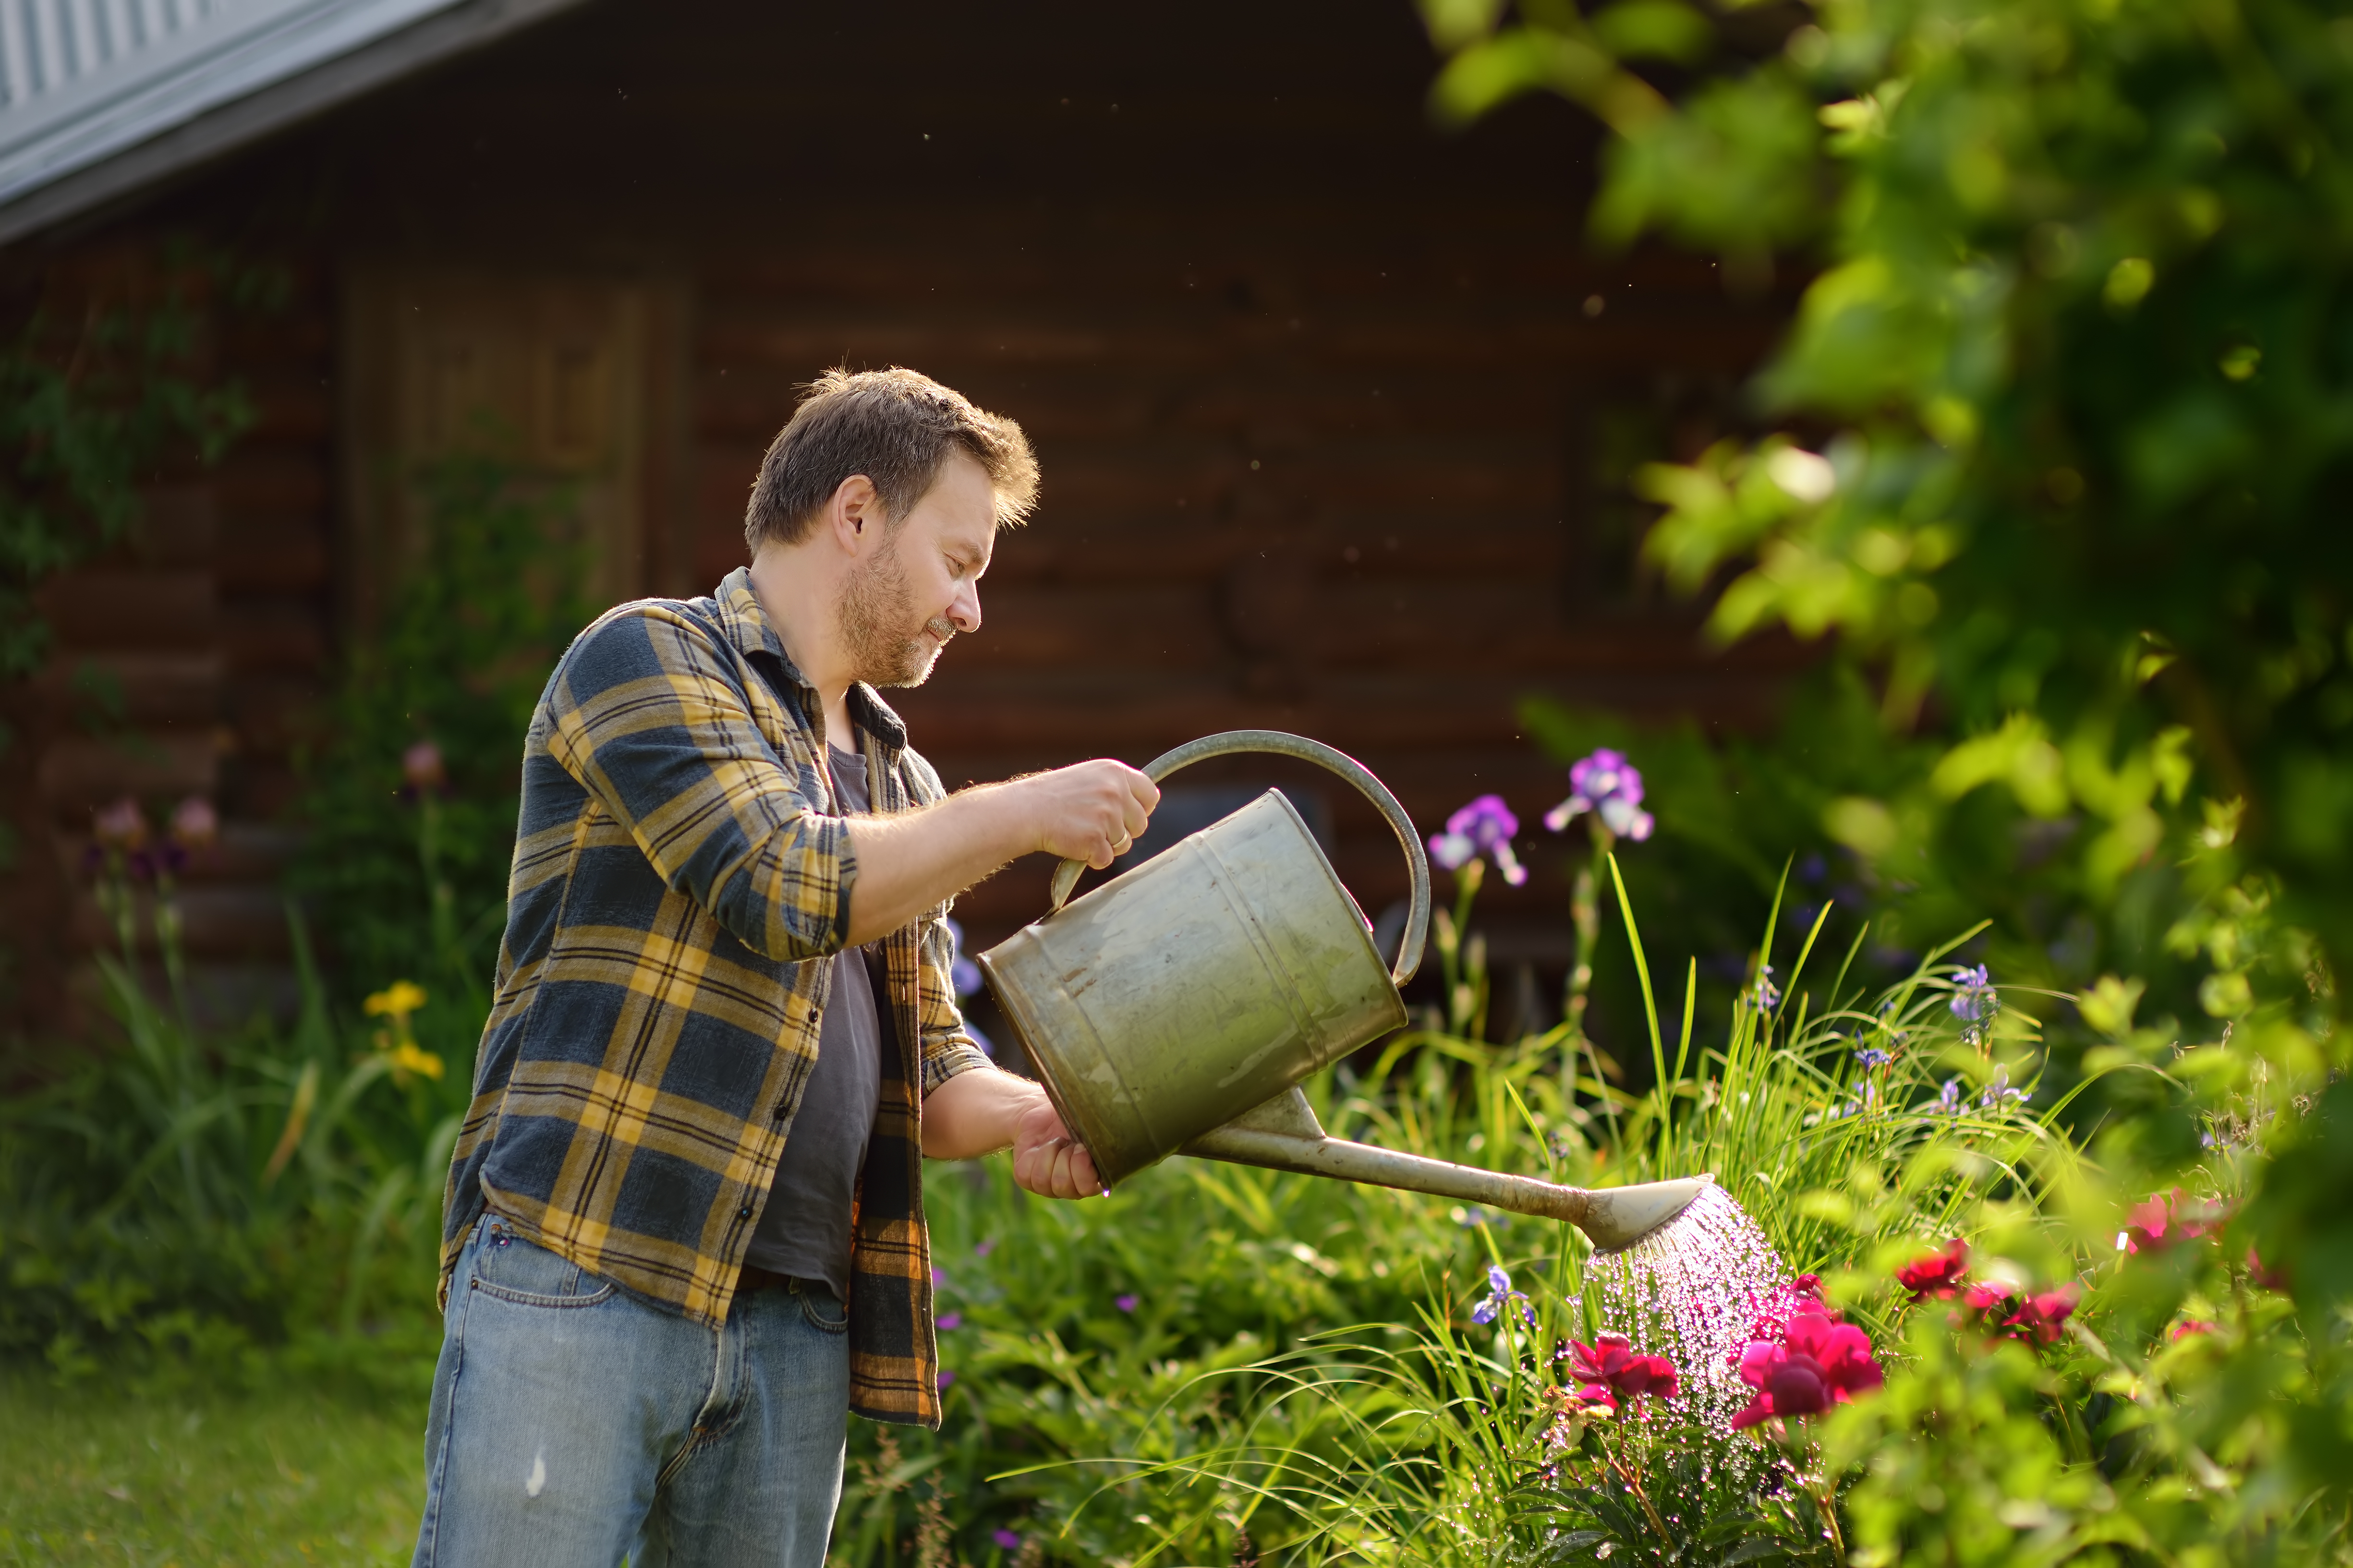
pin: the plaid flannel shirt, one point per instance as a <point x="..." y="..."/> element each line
<point x="679" y="869"/>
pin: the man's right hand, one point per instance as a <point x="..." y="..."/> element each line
<point x="1089" y="811"/>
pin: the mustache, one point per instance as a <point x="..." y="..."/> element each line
<point x="941" y="627"/>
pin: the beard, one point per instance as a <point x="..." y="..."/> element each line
<point x="883" y="631"/>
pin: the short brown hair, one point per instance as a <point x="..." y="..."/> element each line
<point x="897" y="426"/>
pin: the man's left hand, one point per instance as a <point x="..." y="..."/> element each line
<point x="1047" y="1160"/>
<point x="978" y="1112"/>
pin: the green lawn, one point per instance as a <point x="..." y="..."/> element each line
<point x="98" y="1475"/>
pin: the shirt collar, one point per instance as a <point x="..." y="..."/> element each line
<point x="748" y="626"/>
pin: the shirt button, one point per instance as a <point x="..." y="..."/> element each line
<point x="744" y="1212"/>
<point x="779" y="1113"/>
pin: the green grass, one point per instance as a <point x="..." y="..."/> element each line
<point x="291" y="1475"/>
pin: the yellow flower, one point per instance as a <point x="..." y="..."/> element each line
<point x="399" y="999"/>
<point x="407" y="1057"/>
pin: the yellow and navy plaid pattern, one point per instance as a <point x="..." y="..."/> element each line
<point x="680" y="864"/>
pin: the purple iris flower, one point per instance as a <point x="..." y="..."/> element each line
<point x="1485" y="827"/>
<point x="1974" y="998"/>
<point x="1500" y="1295"/>
<point x="1611" y="787"/>
<point x="1006" y="1540"/>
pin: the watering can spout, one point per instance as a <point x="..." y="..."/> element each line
<point x="1282" y="1134"/>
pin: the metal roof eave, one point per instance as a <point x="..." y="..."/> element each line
<point x="171" y="109"/>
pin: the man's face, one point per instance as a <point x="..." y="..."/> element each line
<point x="922" y="585"/>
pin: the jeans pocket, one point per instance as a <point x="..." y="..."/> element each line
<point x="821" y="1306"/>
<point x="513" y="1269"/>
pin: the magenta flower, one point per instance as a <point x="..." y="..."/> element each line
<point x="982" y="1247"/>
<point x="1817" y="1363"/>
<point x="1125" y="1303"/>
<point x="946" y="1378"/>
<point x="948" y="1323"/>
<point x="1006" y="1540"/>
<point x="1612" y="1362"/>
<point x="1937" y="1274"/>
<point x="1611" y="787"/>
<point x="1485" y="827"/>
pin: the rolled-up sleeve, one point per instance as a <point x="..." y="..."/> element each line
<point x="948" y="1047"/>
<point x="649" y="717"/>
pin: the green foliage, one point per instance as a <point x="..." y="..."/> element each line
<point x="406" y="870"/>
<point x="87" y="409"/>
<point x="244" y="1203"/>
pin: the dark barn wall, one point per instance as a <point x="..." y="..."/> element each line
<point x="1314" y="387"/>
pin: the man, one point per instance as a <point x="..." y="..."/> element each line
<point x="685" y="1232"/>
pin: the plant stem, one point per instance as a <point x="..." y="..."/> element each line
<point x="1584" y="914"/>
<point x="1634" y="1485"/>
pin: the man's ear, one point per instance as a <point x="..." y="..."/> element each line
<point x="854" y="506"/>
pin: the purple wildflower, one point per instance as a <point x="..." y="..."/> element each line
<point x="939" y="1278"/>
<point x="1127" y="1303"/>
<point x="1500" y="1296"/>
<point x="1611" y="787"/>
<point x="962" y="970"/>
<point x="982" y="1247"/>
<point x="1974" y="998"/>
<point x="1485" y="827"/>
<point x="1998" y="1093"/>
<point x="1872" y="1056"/>
<point x="1975" y="1002"/>
<point x="946" y="1378"/>
<point x="1006" y="1540"/>
<point x="947" y="1323"/>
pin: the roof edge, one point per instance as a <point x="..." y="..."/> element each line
<point x="241" y="122"/>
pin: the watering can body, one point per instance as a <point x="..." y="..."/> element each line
<point x="1177" y="1008"/>
<point x="1203" y="982"/>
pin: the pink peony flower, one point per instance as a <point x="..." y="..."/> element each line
<point x="1612" y="1362"/>
<point x="1817" y="1364"/>
<point x="1938" y="1274"/>
<point x="2164" y="1222"/>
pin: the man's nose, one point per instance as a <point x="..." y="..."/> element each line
<point x="964" y="610"/>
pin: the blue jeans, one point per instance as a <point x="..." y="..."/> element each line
<point x="574" y="1423"/>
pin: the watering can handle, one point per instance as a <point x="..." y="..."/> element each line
<point x="1417" y="918"/>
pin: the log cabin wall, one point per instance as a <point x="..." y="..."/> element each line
<point x="1324" y="398"/>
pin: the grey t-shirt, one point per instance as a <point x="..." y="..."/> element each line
<point x="804" y="1228"/>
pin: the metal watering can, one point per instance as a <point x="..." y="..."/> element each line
<point x="1175" y="1010"/>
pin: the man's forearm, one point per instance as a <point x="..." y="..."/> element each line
<point x="976" y="1113"/>
<point x="919" y="860"/>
